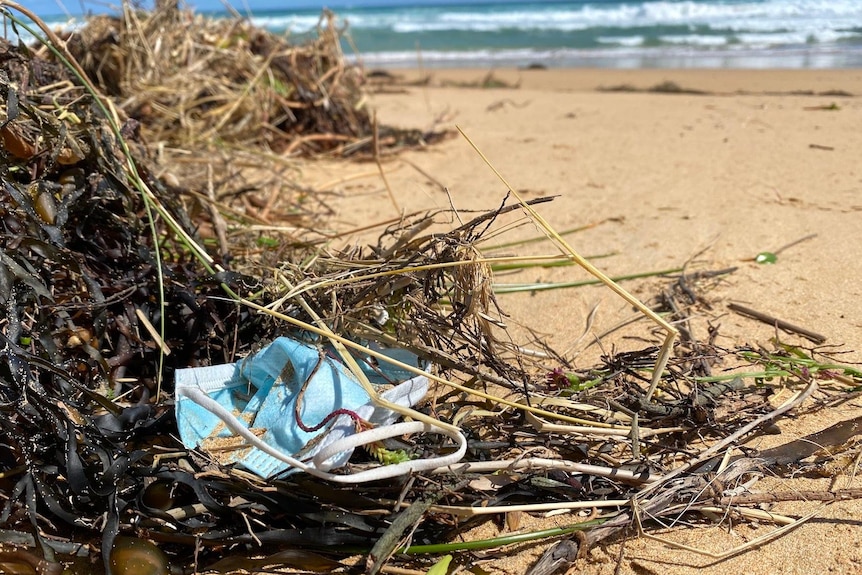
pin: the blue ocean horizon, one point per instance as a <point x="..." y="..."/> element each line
<point x="586" y="33"/>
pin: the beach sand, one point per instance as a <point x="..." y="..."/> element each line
<point x="761" y="160"/>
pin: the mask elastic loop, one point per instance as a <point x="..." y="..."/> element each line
<point x="319" y="469"/>
<point x="395" y="430"/>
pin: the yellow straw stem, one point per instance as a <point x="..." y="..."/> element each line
<point x="397" y="408"/>
<point x="564" y="246"/>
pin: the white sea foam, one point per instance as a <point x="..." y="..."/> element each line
<point x="288" y="22"/>
<point x="730" y="56"/>
<point x="806" y="33"/>
<point x="628" y="41"/>
<point x="785" y="15"/>
<point x="695" y="40"/>
<point x="782" y="13"/>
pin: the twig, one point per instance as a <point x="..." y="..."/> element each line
<point x="154" y="333"/>
<point x="795" y="242"/>
<point x="539" y="463"/>
<point x="376" y="141"/>
<point x="470" y="511"/>
<point x="757" y="542"/>
<point x="218" y="221"/>
<point x="779" y="323"/>
<point x="764" y="498"/>
<point x="734" y="437"/>
<point x="437" y="182"/>
<point x="653" y="507"/>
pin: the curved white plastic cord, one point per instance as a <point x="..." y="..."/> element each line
<point x="319" y="467"/>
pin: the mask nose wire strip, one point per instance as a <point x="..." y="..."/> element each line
<point x="356" y="440"/>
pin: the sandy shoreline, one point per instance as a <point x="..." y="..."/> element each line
<point x="720" y="81"/>
<point x="705" y="181"/>
<point x="673" y="176"/>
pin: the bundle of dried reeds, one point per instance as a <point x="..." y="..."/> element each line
<point x="193" y="80"/>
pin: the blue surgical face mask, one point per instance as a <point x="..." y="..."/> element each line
<point x="274" y="394"/>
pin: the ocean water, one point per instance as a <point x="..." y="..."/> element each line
<point x="594" y="33"/>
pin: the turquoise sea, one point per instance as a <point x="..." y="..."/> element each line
<point x="591" y="33"/>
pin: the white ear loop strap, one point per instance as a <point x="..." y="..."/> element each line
<point x="349" y="442"/>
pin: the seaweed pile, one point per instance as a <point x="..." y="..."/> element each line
<point x="102" y="301"/>
<point x="98" y="253"/>
<point x="80" y="288"/>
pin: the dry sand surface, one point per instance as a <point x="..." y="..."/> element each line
<point x="709" y="180"/>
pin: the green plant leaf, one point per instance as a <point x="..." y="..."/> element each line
<point x="441" y="567"/>
<point x="766" y="258"/>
